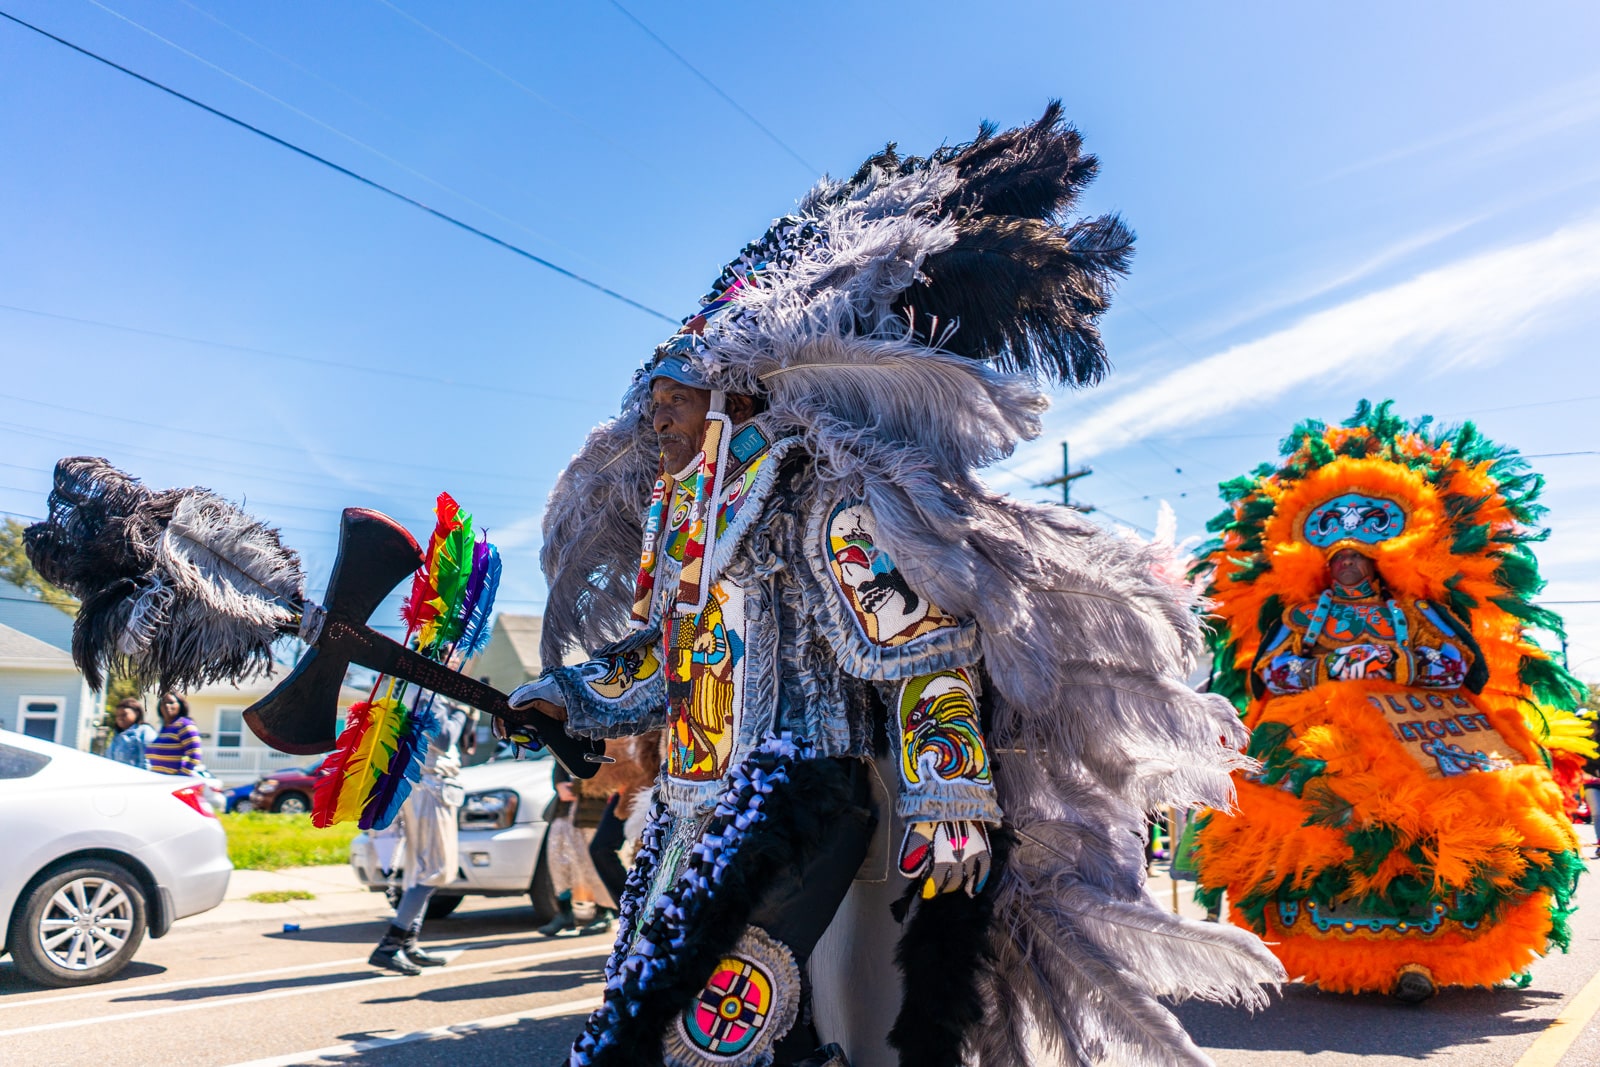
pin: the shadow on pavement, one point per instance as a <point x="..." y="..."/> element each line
<point x="499" y="987"/>
<point x="538" y="1042"/>
<point x="472" y="924"/>
<point x="12" y="982"/>
<point x="1308" y="1020"/>
<point x="233" y="989"/>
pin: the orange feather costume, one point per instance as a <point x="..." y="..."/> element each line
<point x="1404" y="814"/>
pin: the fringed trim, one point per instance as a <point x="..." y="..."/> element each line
<point x="641" y="990"/>
<point x="751" y="506"/>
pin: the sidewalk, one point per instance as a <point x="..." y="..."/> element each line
<point x="337" y="891"/>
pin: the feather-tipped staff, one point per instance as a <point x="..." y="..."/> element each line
<point x="181" y="588"/>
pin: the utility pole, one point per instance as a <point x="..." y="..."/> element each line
<point x="1068" y="476"/>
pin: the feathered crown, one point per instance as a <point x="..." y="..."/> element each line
<point x="968" y="250"/>
<point x="1444" y="512"/>
<point x="902" y="319"/>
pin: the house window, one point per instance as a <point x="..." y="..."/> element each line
<point x="40" y="717"/>
<point x="230" y="727"/>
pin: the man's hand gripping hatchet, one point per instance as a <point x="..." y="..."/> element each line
<point x="375" y="555"/>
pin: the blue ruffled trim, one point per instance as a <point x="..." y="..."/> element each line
<point x="665" y="926"/>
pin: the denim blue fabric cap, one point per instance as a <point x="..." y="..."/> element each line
<point x="679" y="369"/>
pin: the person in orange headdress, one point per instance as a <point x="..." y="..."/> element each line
<point x="1403" y="831"/>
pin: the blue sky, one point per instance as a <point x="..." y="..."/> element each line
<point x="1332" y="201"/>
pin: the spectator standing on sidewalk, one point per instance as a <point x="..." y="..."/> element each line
<point x="134" y="735"/>
<point x="176" y="748"/>
<point x="587" y="906"/>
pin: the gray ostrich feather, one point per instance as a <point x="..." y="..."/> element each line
<point x="900" y="323"/>
<point x="179" y="588"/>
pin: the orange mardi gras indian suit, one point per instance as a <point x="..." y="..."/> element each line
<point x="1404" y="830"/>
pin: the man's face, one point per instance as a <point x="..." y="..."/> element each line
<point x="678" y="413"/>
<point x="1349" y="567"/>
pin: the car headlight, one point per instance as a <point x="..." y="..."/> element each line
<point x="494" y="809"/>
<point x="268" y="786"/>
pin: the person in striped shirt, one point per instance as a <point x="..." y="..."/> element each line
<point x="176" y="749"/>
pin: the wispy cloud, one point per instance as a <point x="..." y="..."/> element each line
<point x="523" y="533"/>
<point x="1468" y="310"/>
<point x="1575" y="104"/>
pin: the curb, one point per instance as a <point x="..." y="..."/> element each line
<point x="335" y="887"/>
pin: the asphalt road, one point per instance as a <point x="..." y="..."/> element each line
<point x="253" y="993"/>
<point x="246" y="992"/>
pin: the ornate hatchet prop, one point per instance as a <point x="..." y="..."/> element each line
<point x="375" y="555"/>
<point x="182" y="588"/>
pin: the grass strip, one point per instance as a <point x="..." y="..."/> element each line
<point x="262" y="841"/>
<point x="278" y="896"/>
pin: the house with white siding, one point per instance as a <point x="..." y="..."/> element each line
<point x="41" y="693"/>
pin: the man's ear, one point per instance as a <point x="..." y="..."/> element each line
<point x="740" y="407"/>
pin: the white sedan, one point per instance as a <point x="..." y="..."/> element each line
<point x="500" y="830"/>
<point x="96" y="854"/>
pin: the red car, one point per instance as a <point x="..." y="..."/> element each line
<point x="288" y="790"/>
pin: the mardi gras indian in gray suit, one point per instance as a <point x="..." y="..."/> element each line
<point x="904" y="714"/>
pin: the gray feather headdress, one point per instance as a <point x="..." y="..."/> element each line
<point x="897" y="307"/>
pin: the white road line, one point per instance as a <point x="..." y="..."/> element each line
<point x="452" y="1031"/>
<point x="112" y="992"/>
<point x="221" y="1002"/>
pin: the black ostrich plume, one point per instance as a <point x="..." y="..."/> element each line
<point x="179" y="588"/>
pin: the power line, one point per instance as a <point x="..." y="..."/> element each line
<point x="597" y="132"/>
<point x="408" y="464"/>
<point x="341" y="90"/>
<point x="364" y="146"/>
<point x="256" y="472"/>
<point x="346" y="171"/>
<point x="386" y="372"/>
<point x="714" y="88"/>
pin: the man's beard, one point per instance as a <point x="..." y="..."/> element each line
<point x="676" y="448"/>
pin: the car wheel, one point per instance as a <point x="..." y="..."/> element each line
<point x="292" y="804"/>
<point x="82" y="924"/>
<point x="439" y="907"/>
<point x="243" y="807"/>
<point x="542" y="892"/>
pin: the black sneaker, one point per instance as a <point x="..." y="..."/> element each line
<point x="391" y="955"/>
<point x="559" y="925"/>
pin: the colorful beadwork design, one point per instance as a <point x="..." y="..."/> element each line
<point x="705" y="678"/>
<point x="731" y="1021"/>
<point x="1354" y="517"/>
<point x="939" y="732"/>
<point x="611" y="677"/>
<point x="888" y="610"/>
